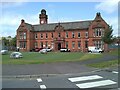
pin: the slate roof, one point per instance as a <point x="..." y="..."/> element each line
<point x="29" y="26"/>
<point x="66" y="25"/>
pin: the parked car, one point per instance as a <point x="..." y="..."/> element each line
<point x="38" y="49"/>
<point x="3" y="52"/>
<point x="16" y="55"/>
<point x="94" y="49"/>
<point x="43" y="51"/>
<point x="64" y="50"/>
<point x="48" y="49"/>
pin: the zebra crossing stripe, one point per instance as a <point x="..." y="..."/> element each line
<point x="42" y="86"/>
<point x="39" y="80"/>
<point x="114" y="72"/>
<point x="84" y="78"/>
<point x="96" y="84"/>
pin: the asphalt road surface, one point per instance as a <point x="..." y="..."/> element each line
<point x="105" y="79"/>
<point x="55" y="76"/>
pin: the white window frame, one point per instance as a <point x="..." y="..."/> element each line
<point x="24" y="35"/>
<point x="66" y="44"/>
<point x="86" y="34"/>
<point x="78" y="34"/>
<point x="66" y="34"/>
<point x="79" y="44"/>
<point x="73" y="35"/>
<point x="41" y="35"/>
<point x="73" y="44"/>
<point x="46" y="35"/>
<point x="36" y="36"/>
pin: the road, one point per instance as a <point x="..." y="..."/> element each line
<point x="54" y="76"/>
<point x="105" y="79"/>
<point x="53" y="68"/>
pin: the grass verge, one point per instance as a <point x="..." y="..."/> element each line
<point x="105" y="64"/>
<point x="89" y="56"/>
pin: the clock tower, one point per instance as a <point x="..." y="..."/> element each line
<point x="43" y="17"/>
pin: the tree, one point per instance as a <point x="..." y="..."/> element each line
<point x="108" y="37"/>
<point x="9" y="37"/>
<point x="6" y="42"/>
<point x="13" y="42"/>
<point x="9" y="43"/>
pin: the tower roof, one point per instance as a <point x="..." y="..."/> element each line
<point x="43" y="11"/>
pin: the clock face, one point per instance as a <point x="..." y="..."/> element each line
<point x="42" y="22"/>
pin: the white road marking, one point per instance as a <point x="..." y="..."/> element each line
<point x="114" y="72"/>
<point x="84" y="78"/>
<point x="96" y="84"/>
<point x="39" y="80"/>
<point x="42" y="86"/>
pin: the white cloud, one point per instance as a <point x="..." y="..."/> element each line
<point x="56" y="20"/>
<point x="8" y="31"/>
<point x="4" y="5"/>
<point x="10" y="19"/>
<point x="108" y="6"/>
<point x="32" y="19"/>
<point x="9" y="24"/>
<point x="52" y="0"/>
<point x="113" y="21"/>
<point x="14" y="1"/>
<point x="9" y="28"/>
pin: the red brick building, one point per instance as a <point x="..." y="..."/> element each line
<point x="76" y="36"/>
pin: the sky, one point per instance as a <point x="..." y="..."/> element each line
<point x="12" y="13"/>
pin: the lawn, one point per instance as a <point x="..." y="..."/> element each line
<point x="37" y="58"/>
<point x="115" y="52"/>
<point x="110" y="63"/>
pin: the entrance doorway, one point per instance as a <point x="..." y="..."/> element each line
<point x="59" y="46"/>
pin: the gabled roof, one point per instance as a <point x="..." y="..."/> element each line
<point x="66" y="25"/>
<point x="29" y="26"/>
